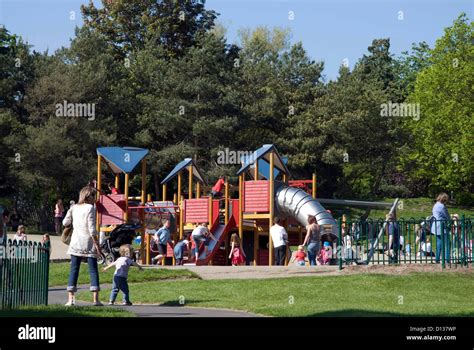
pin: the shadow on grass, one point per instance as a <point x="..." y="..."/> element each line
<point x="368" y="313"/>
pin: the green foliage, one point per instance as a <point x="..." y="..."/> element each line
<point x="363" y="294"/>
<point x="59" y="272"/>
<point x="162" y="75"/>
<point x="128" y="26"/>
<point x="441" y="143"/>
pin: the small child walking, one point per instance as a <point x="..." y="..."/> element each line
<point x="120" y="281"/>
<point x="300" y="256"/>
<point x="237" y="254"/>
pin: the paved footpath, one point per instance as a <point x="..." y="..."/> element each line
<point x="58" y="296"/>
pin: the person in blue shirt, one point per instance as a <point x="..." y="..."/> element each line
<point x="440" y="226"/>
<point x="393" y="238"/>
<point x="162" y="237"/>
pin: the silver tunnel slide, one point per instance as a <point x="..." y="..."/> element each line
<point x="296" y="203"/>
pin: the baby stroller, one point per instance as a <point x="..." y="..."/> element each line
<point x="122" y="234"/>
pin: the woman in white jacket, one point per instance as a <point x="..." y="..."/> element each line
<point x="83" y="243"/>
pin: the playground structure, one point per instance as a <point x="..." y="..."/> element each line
<point x="115" y="209"/>
<point x="264" y="192"/>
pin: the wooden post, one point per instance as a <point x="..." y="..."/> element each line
<point x="255" y="245"/>
<point x="284" y="178"/>
<point x="175" y="199"/>
<point x="190" y="182"/>
<point x="179" y="186"/>
<point x="148" y="199"/>
<point x="99" y="183"/>
<point x="181" y="220"/>
<point x="143" y="192"/>
<point x="255" y="170"/>
<point x="117" y="181"/>
<point x="164" y="192"/>
<point x="241" y="205"/>
<point x="272" y="204"/>
<point x="198" y="189"/>
<point x="126" y="196"/>
<point x="226" y="201"/>
<point x="314" y="185"/>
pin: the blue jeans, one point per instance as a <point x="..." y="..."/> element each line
<point x="120" y="283"/>
<point x="439" y="247"/>
<point x="74" y="273"/>
<point x="313" y="250"/>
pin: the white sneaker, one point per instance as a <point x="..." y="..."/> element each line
<point x="70" y="303"/>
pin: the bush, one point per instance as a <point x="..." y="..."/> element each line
<point x="393" y="191"/>
<point x="464" y="199"/>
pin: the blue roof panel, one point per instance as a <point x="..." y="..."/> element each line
<point x="261" y="153"/>
<point x="122" y="159"/>
<point x="183" y="165"/>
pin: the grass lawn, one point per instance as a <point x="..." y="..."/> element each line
<point x="411" y="208"/>
<point x="417" y="294"/>
<point x="62" y="311"/>
<point x="59" y="274"/>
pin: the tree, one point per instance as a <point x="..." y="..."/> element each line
<point x="410" y="64"/>
<point x="129" y="25"/>
<point x="188" y="104"/>
<point x="441" y="143"/>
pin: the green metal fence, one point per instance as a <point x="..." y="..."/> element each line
<point x="407" y="241"/>
<point x="24" y="269"/>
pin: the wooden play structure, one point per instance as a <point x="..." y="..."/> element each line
<point x="113" y="209"/>
<point x="263" y="192"/>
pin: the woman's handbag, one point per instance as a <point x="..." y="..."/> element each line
<point x="67" y="233"/>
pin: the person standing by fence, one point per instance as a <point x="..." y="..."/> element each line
<point x="393" y="238"/>
<point x="440" y="226"/>
<point x="83" y="243"/>
<point x="20" y="234"/>
<point x="58" y="216"/>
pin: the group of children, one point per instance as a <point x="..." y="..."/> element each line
<point x="323" y="258"/>
<point x="20" y="236"/>
<point x="192" y="243"/>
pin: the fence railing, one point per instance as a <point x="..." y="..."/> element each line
<point x="24" y="273"/>
<point x="407" y="241"/>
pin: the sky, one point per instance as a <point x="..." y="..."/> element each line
<point x="330" y="30"/>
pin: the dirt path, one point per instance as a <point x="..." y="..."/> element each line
<point x="58" y="296"/>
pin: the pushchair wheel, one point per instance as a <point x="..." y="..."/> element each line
<point x="101" y="259"/>
<point x="105" y="259"/>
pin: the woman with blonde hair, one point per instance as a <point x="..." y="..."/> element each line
<point x="83" y="243"/>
